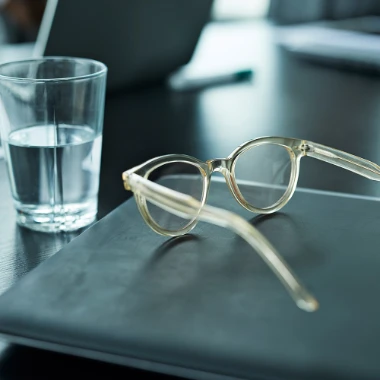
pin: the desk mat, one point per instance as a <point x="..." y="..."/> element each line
<point x="205" y="306"/>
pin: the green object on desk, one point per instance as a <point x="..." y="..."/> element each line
<point x="185" y="82"/>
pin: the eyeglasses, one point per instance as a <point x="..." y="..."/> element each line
<point x="262" y="176"/>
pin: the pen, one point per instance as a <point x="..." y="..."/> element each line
<point x="181" y="82"/>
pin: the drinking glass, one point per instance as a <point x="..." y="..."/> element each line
<point x="51" y="122"/>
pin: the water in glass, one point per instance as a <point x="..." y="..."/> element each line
<point x="54" y="175"/>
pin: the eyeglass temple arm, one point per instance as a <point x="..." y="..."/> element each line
<point x="345" y="160"/>
<point x="188" y="207"/>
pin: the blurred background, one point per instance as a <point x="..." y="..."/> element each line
<point x="147" y="41"/>
<point x="320" y="31"/>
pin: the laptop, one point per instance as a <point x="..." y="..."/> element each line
<point x="141" y="41"/>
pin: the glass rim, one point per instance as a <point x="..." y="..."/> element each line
<point x="102" y="69"/>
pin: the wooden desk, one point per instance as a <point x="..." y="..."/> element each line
<point x="287" y="97"/>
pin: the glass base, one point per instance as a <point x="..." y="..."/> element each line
<point x="69" y="217"/>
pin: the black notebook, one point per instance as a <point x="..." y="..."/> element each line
<point x="205" y="306"/>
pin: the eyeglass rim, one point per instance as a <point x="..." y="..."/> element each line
<point x="291" y="146"/>
<point x="141" y="201"/>
<point x="206" y="169"/>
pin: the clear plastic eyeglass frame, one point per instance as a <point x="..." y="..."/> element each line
<point x="185" y="206"/>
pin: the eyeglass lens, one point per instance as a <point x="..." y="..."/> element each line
<point x="183" y="177"/>
<point x="263" y="173"/>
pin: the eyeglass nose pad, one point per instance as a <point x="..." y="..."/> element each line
<point x="231" y="183"/>
<point x="218" y="165"/>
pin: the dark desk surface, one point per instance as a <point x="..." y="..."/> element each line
<point x="287" y="97"/>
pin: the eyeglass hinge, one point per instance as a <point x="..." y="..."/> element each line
<point x="305" y="147"/>
<point x="125" y="181"/>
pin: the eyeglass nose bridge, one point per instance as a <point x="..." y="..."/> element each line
<point x="219" y="165"/>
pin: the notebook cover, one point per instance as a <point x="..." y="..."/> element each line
<point x="205" y="306"/>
